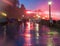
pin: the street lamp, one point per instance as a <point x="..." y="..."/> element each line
<point x="49" y="3"/>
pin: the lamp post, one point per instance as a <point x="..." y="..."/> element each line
<point x="49" y="3"/>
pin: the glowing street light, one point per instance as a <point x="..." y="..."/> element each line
<point x="38" y="16"/>
<point x="50" y="2"/>
<point x="43" y="17"/>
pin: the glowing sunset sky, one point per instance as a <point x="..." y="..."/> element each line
<point x="43" y="5"/>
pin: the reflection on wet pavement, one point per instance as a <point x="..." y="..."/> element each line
<point x="27" y="35"/>
<point x="33" y="35"/>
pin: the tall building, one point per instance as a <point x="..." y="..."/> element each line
<point x="12" y="9"/>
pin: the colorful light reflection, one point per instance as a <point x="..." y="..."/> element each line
<point x="27" y="35"/>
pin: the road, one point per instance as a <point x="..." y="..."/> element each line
<point x="33" y="34"/>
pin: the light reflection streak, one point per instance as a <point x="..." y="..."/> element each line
<point x="37" y="32"/>
<point x="50" y="41"/>
<point x="27" y="35"/>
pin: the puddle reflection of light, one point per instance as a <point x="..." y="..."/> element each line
<point x="37" y="30"/>
<point x="27" y="35"/>
<point x="37" y="27"/>
<point x="50" y="41"/>
<point x="37" y="33"/>
<point x="28" y="26"/>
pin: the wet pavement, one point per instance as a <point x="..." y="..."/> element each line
<point x="33" y="35"/>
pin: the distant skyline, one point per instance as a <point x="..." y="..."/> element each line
<point x="43" y="5"/>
